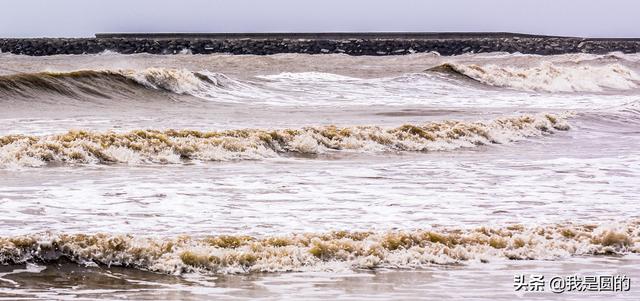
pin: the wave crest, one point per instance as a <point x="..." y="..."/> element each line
<point x="548" y="77"/>
<point x="109" y="83"/>
<point x="328" y="251"/>
<point x="172" y="146"/>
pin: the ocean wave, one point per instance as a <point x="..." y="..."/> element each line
<point x="324" y="251"/>
<point x="90" y="82"/>
<point x="110" y="83"/>
<point x="174" y="146"/>
<point x="315" y="88"/>
<point x="548" y="76"/>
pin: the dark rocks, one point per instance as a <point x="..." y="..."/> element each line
<point x="367" y="46"/>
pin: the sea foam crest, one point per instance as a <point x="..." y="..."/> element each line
<point x="324" y="251"/>
<point x="102" y="83"/>
<point x="174" y="146"/>
<point x="549" y="77"/>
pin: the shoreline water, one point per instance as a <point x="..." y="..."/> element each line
<point x="430" y="282"/>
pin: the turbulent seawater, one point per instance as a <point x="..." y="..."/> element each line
<point x="316" y="176"/>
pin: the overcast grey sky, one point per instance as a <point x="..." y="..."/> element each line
<point x="75" y="18"/>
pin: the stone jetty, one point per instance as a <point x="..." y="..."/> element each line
<point x="396" y="43"/>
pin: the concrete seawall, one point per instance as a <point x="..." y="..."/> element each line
<point x="316" y="43"/>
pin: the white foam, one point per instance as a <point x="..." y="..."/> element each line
<point x="553" y="78"/>
<point x="148" y="146"/>
<point x="175" y="80"/>
<point x="325" y="251"/>
<point x="308" y="76"/>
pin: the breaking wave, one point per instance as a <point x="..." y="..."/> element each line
<point x="294" y="88"/>
<point x="548" y="77"/>
<point x="107" y="83"/>
<point x="174" y="146"/>
<point x="324" y="251"/>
